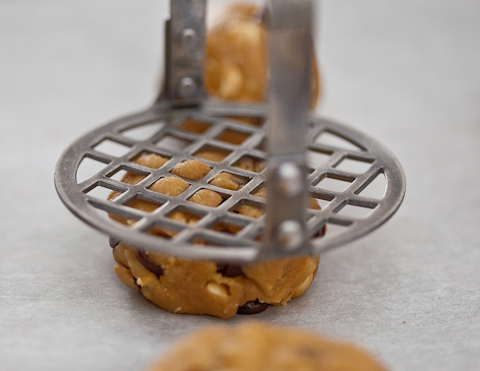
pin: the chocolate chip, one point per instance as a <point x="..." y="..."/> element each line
<point x="114" y="242"/>
<point x="148" y="263"/>
<point x="252" y="307"/>
<point x="321" y="232"/>
<point x="229" y="270"/>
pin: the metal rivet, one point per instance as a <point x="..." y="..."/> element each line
<point x="290" y="179"/>
<point x="187" y="87"/>
<point x="290" y="234"/>
<point x="188" y="38"/>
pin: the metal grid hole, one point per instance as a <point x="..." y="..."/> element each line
<point x="334" y="140"/>
<point x="206" y="241"/>
<point x="319" y="231"/>
<point x="185" y="215"/>
<point x="376" y="188"/>
<point x="109" y="217"/>
<point x="250" y="163"/>
<point x="112" y="148"/>
<point x="151" y="159"/>
<point x="228" y="180"/>
<point x="309" y="171"/>
<point x="143" y="132"/>
<point x="170" y="186"/>
<point x="352" y="211"/>
<point x="354" y="165"/>
<point x="320" y="199"/>
<point x="173" y="143"/>
<point x="194" y="126"/>
<point x="248" y="208"/>
<point x="249" y="120"/>
<point x="87" y="168"/>
<point x="102" y="193"/>
<point x="333" y="182"/>
<point x="233" y="136"/>
<point x="204" y="199"/>
<point x="316" y="159"/>
<point x="262" y="146"/>
<point x="142" y="204"/>
<point x="226" y="227"/>
<point x="163" y="232"/>
<point x="191" y="169"/>
<point x="212" y="153"/>
<point x="127" y="175"/>
<point x="260" y="190"/>
<point x="331" y="229"/>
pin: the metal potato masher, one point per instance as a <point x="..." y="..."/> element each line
<point x="357" y="182"/>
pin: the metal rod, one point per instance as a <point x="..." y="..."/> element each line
<point x="185" y="53"/>
<point x="290" y="45"/>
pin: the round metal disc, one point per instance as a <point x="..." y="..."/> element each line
<point x="356" y="181"/>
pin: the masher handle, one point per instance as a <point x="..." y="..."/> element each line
<point x="185" y="53"/>
<point x="290" y="47"/>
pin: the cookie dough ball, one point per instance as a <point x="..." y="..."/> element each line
<point x="191" y="169"/>
<point x="236" y="57"/>
<point x="260" y="347"/>
<point x="206" y="197"/>
<point x="202" y="287"/>
<point x="228" y="181"/>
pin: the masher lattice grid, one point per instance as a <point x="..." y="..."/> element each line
<point x="376" y="163"/>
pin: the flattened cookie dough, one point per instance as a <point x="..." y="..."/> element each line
<point x="198" y="287"/>
<point x="254" y="346"/>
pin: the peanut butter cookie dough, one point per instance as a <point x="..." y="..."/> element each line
<point x="255" y="346"/>
<point x="221" y="290"/>
<point x="236" y="57"/>
<point x="198" y="287"/>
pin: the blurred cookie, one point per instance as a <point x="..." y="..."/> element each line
<point x="236" y="66"/>
<point x="260" y="347"/>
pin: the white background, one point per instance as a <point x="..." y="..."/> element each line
<point x="404" y="72"/>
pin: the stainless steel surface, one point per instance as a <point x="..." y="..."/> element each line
<point x="241" y="247"/>
<point x="286" y="120"/>
<point x="290" y="49"/>
<point x="184" y="53"/>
